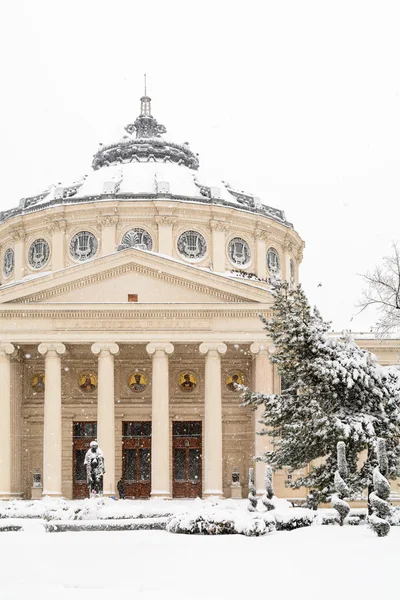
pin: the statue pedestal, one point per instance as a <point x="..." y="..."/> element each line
<point x="236" y="490"/>
<point x="36" y="493"/>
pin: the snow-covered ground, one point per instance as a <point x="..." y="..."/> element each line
<point x="308" y="563"/>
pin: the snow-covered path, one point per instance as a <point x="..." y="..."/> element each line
<point x="308" y="563"/>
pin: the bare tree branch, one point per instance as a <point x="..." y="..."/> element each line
<point x="383" y="292"/>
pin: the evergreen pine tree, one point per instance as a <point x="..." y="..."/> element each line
<point x="340" y="484"/>
<point x="252" y="505"/>
<point x="333" y="391"/>
<point x="379" y="497"/>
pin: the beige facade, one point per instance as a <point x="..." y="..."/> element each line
<point x="97" y="330"/>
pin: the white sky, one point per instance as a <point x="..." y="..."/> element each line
<point x="295" y="101"/>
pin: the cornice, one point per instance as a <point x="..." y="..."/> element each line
<point x="142" y="313"/>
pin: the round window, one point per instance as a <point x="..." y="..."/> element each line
<point x="137" y="238"/>
<point x="239" y="251"/>
<point x="38" y="254"/>
<point x="8" y="262"/>
<point x="83" y="245"/>
<point x="192" y="245"/>
<point x="273" y="261"/>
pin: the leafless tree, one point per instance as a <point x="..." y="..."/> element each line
<point x="383" y="292"/>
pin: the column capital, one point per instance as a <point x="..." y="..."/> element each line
<point x="108" y="347"/>
<point x="6" y="348"/>
<point x="49" y="347"/>
<point x="154" y="347"/>
<point x="207" y="347"/>
<point x="263" y="349"/>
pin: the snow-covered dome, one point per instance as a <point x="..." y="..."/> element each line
<point x="145" y="165"/>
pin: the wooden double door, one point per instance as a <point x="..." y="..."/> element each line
<point x="136" y="458"/>
<point x="187" y="459"/>
<point x="83" y="433"/>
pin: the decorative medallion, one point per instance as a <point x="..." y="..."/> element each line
<point x="192" y="245"/>
<point x="239" y="251"/>
<point x="87" y="382"/>
<point x="273" y="262"/>
<point x="137" y="382"/>
<point x="8" y="262"/>
<point x="233" y="380"/>
<point x="137" y="238"/>
<point x="83" y="245"/>
<point x="187" y="381"/>
<point x="38" y="383"/>
<point x="38" y="254"/>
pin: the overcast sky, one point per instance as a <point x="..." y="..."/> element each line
<point x="295" y="101"/>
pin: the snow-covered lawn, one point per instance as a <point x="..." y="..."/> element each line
<point x="314" y="562"/>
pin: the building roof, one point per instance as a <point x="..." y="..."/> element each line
<point x="145" y="165"/>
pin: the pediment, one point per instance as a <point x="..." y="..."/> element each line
<point x="153" y="278"/>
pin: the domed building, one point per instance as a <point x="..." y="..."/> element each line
<point x="129" y="309"/>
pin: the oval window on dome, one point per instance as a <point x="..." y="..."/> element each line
<point x="39" y="253"/>
<point x="83" y="245"/>
<point x="137" y="238"/>
<point x="8" y="262"/>
<point x="273" y="262"/>
<point x="192" y="245"/>
<point x="239" y="251"/>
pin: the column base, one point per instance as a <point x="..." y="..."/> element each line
<point x="213" y="494"/>
<point x="161" y="495"/>
<point x="6" y="496"/>
<point x="51" y="494"/>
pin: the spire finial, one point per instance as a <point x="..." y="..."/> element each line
<point x="145" y="86"/>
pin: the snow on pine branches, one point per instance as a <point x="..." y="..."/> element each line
<point x="332" y="391"/>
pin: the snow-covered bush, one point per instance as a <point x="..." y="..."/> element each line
<point x="341" y="488"/>
<point x="220" y="522"/>
<point x="269" y="490"/>
<point x="102" y="525"/>
<point x="379" y="520"/>
<point x="252" y="504"/>
<point x="293" y="519"/>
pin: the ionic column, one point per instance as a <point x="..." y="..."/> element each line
<point x="5" y="420"/>
<point x="18" y="236"/>
<point x="108" y="234"/>
<point x="165" y="241"/>
<point x="106" y="412"/>
<point x="213" y="419"/>
<point x="218" y="229"/>
<point x="260" y="237"/>
<point x="52" y="436"/>
<point x="263" y="383"/>
<point x="160" y="438"/>
<point x="57" y="229"/>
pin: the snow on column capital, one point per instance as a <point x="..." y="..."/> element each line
<point x="213" y="348"/>
<point x="265" y="349"/>
<point x="105" y="348"/>
<point x="51" y="349"/>
<point x="154" y="348"/>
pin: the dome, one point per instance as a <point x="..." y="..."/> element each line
<point x="146" y="192"/>
<point x="145" y="165"/>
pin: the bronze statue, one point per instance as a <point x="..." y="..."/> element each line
<point x="94" y="461"/>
